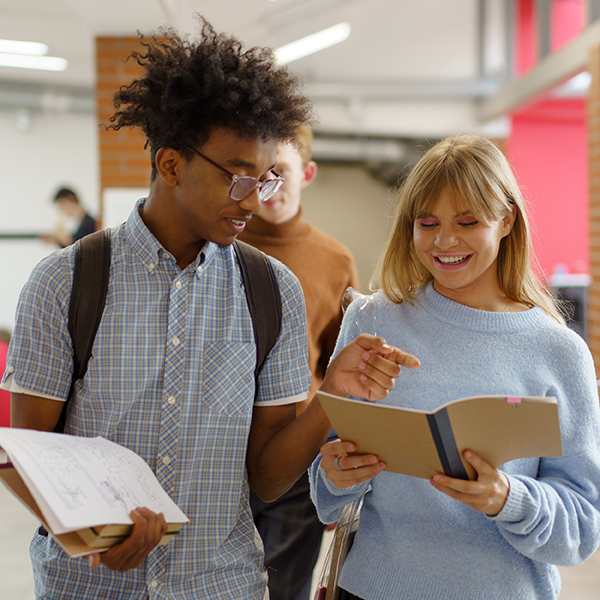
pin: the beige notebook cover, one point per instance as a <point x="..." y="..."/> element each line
<point x="421" y="443"/>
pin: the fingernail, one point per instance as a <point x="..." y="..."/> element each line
<point x="362" y="366"/>
<point x="366" y="355"/>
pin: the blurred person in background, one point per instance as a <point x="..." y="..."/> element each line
<point x="289" y="527"/>
<point x="68" y="204"/>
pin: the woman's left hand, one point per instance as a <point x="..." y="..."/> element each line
<point x="487" y="494"/>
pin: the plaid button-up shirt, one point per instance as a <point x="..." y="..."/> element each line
<point x="171" y="377"/>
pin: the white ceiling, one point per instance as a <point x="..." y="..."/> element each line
<point x="410" y="68"/>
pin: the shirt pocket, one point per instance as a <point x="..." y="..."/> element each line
<point x="228" y="377"/>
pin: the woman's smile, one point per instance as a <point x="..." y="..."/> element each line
<point x="461" y="251"/>
<point x="446" y="261"/>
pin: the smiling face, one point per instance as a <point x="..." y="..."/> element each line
<point x="204" y="203"/>
<point x="284" y="205"/>
<point x="461" y="252"/>
<point x="190" y="204"/>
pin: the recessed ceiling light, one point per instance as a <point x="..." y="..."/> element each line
<point x="30" y="48"/>
<point x="23" y="61"/>
<point x="312" y="43"/>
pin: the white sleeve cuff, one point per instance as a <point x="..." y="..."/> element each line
<point x="283" y="401"/>
<point x="11" y="385"/>
<point x="347" y="491"/>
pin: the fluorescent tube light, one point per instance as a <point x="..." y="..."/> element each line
<point x="579" y="83"/>
<point x="575" y="87"/>
<point x="23" y="61"/>
<point x="312" y="43"/>
<point x="30" y="48"/>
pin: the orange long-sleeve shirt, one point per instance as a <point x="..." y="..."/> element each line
<point x="324" y="267"/>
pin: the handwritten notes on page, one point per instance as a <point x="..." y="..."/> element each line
<point x="82" y="482"/>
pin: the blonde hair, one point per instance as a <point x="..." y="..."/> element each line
<point x="477" y="172"/>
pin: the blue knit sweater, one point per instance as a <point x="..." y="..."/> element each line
<point x="415" y="543"/>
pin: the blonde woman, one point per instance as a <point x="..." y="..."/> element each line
<point x="457" y="290"/>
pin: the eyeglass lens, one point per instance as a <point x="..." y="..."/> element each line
<point x="244" y="186"/>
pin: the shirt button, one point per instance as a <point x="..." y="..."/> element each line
<point x="199" y="270"/>
<point x="171" y="400"/>
<point x="151" y="266"/>
<point x="11" y="369"/>
<point x="175" y="341"/>
<point x="178" y="285"/>
<point x="153" y="584"/>
<point x="166" y="460"/>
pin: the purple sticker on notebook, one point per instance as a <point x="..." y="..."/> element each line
<point x="514" y="400"/>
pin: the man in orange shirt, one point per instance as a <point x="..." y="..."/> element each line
<point x="289" y="527"/>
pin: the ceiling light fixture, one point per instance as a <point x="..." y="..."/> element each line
<point x="23" y="61"/>
<point x="29" y="55"/>
<point x="577" y="86"/>
<point x="313" y="43"/>
<point x="30" y="48"/>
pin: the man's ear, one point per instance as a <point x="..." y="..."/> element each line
<point x="167" y="165"/>
<point x="310" y="172"/>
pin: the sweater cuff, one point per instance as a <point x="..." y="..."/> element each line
<point x="514" y="509"/>
<point x="336" y="491"/>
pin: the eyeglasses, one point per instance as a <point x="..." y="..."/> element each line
<point x="242" y="187"/>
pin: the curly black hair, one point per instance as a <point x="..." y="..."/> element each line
<point x="189" y="88"/>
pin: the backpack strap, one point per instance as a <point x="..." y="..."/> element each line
<point x="88" y="296"/>
<point x="263" y="297"/>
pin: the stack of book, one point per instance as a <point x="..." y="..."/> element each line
<point x="82" y="489"/>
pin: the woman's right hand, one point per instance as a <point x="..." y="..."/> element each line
<point x="345" y="469"/>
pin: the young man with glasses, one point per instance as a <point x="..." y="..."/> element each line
<point x="290" y="528"/>
<point x="172" y="369"/>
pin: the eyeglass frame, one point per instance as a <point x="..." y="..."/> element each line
<point x="236" y="178"/>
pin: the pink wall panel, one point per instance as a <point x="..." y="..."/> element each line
<point x="568" y="19"/>
<point x="526" y="37"/>
<point x="548" y="148"/>
<point x="548" y="151"/>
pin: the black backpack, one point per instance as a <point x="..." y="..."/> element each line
<point x="90" y="284"/>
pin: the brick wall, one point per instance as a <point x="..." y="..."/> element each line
<point x="594" y="214"/>
<point x="123" y="160"/>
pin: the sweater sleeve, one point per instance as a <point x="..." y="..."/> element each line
<point x="328" y="499"/>
<point x="555" y="517"/>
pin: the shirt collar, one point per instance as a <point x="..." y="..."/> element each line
<point x="147" y="247"/>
